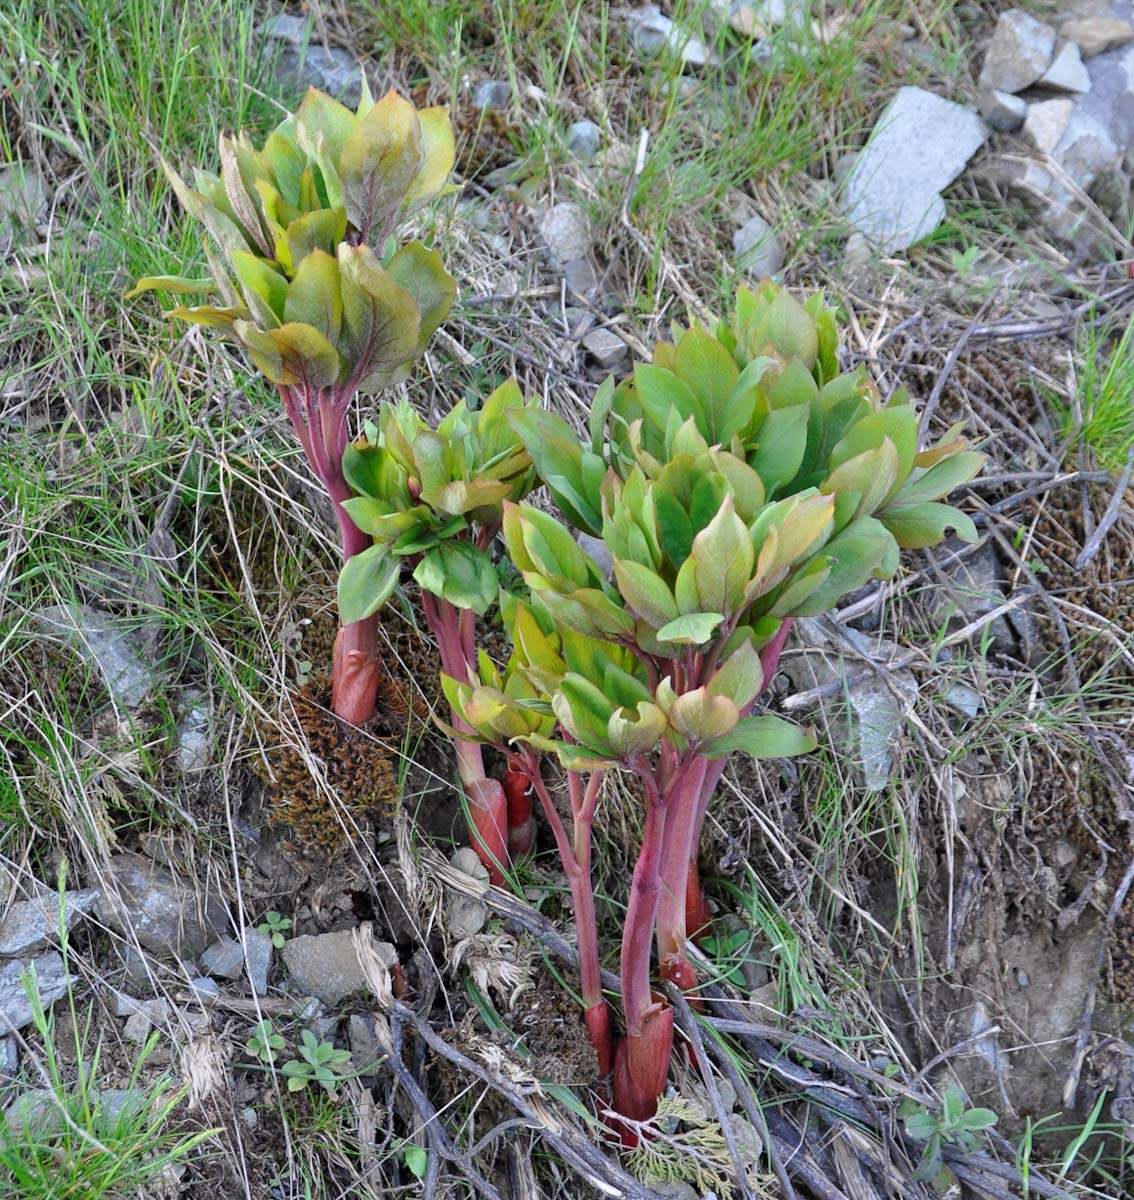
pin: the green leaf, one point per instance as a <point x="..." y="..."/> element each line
<point x="438" y="153"/>
<point x="724" y="558"/>
<point x="660" y="393"/>
<point x="314" y="296"/>
<point x="421" y="273"/>
<point x="779" y="446"/>
<point x="920" y="525"/>
<point x="416" y="1160"/>
<point x="381" y="322"/>
<point x="291" y="354"/>
<point x="366" y="581"/>
<point x="645" y="592"/>
<point x="208" y="315"/>
<point x="939" y="480"/>
<point x="693" y="629"/>
<point x="920" y="1126"/>
<point x="265" y="289"/>
<point x="864" y="550"/>
<point x="461" y="574"/>
<point x="322" y="229"/>
<point x="378" y="164"/>
<point x="170" y="283"/>
<point x="319" y="115"/>
<point x="558" y="460"/>
<point x="711" y="373"/>
<point x="764" y="736"/>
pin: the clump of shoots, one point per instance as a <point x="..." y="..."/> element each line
<point x="738" y="481"/>
<point x="432" y="499"/>
<point x="310" y="282"/>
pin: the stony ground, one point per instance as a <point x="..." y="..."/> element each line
<point x="207" y="888"/>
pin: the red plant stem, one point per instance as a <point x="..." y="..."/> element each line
<point x="683" y="911"/>
<point x="641" y="912"/>
<point x="319" y="419"/>
<point x="682" y="827"/>
<point x="488" y="805"/>
<point x="575" y="855"/>
<point x="518" y="790"/>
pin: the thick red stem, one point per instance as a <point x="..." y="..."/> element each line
<point x="698" y="917"/>
<point x="521" y="821"/>
<point x="319" y="419"/>
<point x="641" y="1067"/>
<point x="680" y="850"/>
<point x="488" y="805"/>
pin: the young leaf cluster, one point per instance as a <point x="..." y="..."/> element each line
<point x="423" y="493"/>
<point x="291" y="228"/>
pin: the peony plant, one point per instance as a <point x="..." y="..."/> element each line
<point x="433" y="499"/>
<point x="738" y="481"/>
<point x="309" y="280"/>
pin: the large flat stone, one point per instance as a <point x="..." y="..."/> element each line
<point x="920" y="144"/>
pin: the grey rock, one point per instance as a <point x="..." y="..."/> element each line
<point x="759" y="248"/>
<point x="878" y="705"/>
<point x="651" y="33"/>
<point x="1067" y="72"/>
<point x="30" y="925"/>
<point x="258" y="961"/>
<point x="858" y="252"/>
<point x="605" y="347"/>
<point x="566" y="233"/>
<point x="1019" y="52"/>
<point x="748" y="1140"/>
<point x="920" y="144"/>
<point x="224" y="958"/>
<point x="144" y="1017"/>
<point x="1087" y="149"/>
<point x="101" y="641"/>
<point x="1094" y="35"/>
<point x="881" y="708"/>
<point x="465" y="917"/>
<point x="976" y="585"/>
<point x="365" y="1049"/>
<point x="204" y="987"/>
<point x="23" y="196"/>
<point x="1046" y="122"/>
<point x="194" y="745"/>
<point x="160" y="909"/>
<point x="53" y="981"/>
<point x="675" y="1189"/>
<point x="326" y="966"/>
<point x="584" y="139"/>
<point x="492" y="93"/>
<point x="966" y="700"/>
<point x="305" y="63"/>
<point x="1002" y="110"/>
<point x="580" y="276"/>
<point x="115" y="1101"/>
<point x="9" y="1062"/>
<point x="36" y="1108"/>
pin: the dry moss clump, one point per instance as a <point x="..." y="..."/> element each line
<point x="336" y="780"/>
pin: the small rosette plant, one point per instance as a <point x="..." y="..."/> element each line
<point x="310" y="282"/>
<point x="433" y="499"/>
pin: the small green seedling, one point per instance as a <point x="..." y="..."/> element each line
<point x="955" y="1126"/>
<point x="275" y="925"/>
<point x="416" y="1160"/>
<point x="264" y="1043"/>
<point x="320" y="1063"/>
